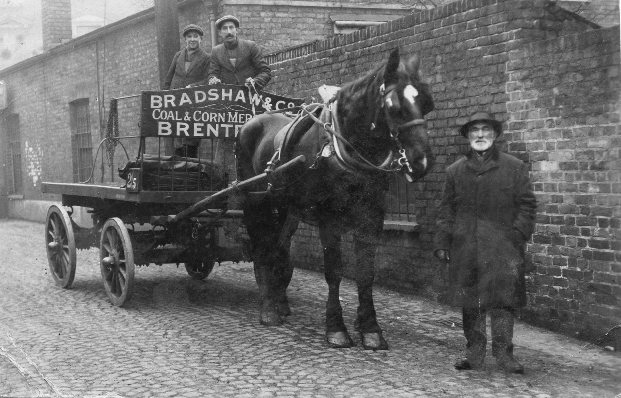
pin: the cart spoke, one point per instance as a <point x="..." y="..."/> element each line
<point x="109" y="274"/>
<point x="107" y="248"/>
<point x="56" y="263"/>
<point x="117" y="284"/>
<point x="114" y="239"/>
<point x="110" y="238"/>
<point x="53" y="224"/>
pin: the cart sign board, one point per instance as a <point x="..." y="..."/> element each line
<point x="217" y="111"/>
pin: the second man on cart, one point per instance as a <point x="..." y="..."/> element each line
<point x="237" y="61"/>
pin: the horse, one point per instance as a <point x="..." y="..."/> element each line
<point x="371" y="128"/>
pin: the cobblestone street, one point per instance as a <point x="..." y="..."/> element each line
<point x="178" y="337"/>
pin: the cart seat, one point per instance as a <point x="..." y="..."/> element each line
<point x="176" y="173"/>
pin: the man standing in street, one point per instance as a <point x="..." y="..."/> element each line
<point x="486" y="215"/>
<point x="237" y="61"/>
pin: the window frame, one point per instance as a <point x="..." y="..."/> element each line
<point x="81" y="140"/>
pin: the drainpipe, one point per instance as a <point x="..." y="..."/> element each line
<point x="212" y="23"/>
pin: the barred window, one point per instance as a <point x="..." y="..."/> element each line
<point x="14" y="155"/>
<point x="400" y="200"/>
<point x="81" y="141"/>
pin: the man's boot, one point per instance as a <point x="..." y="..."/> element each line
<point x="502" y="337"/>
<point x="474" y="330"/>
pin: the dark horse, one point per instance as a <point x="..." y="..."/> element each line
<point x="372" y="127"/>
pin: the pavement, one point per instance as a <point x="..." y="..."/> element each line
<point x="178" y="337"/>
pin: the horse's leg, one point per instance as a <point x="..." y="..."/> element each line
<point x="366" y="321"/>
<point x="336" y="332"/>
<point x="284" y="269"/>
<point x="263" y="231"/>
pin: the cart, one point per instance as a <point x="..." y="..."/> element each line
<point x="165" y="209"/>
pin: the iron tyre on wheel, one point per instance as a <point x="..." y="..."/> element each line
<point x="60" y="246"/>
<point x="199" y="270"/>
<point x="116" y="257"/>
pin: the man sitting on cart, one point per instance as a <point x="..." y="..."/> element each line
<point x="237" y="61"/>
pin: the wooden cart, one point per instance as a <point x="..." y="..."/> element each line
<point x="166" y="209"/>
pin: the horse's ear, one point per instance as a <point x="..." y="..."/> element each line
<point x="392" y="65"/>
<point x="412" y="65"/>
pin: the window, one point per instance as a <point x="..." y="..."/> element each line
<point x="14" y="156"/>
<point x="400" y="205"/>
<point x="344" y="27"/>
<point x="81" y="141"/>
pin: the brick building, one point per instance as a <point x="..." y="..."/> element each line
<point x="550" y="74"/>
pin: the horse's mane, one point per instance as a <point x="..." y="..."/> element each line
<point x="359" y="99"/>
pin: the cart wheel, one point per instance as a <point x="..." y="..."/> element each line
<point x="199" y="270"/>
<point x="116" y="261"/>
<point x="60" y="245"/>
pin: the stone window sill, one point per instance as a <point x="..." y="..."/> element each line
<point x="399" y="225"/>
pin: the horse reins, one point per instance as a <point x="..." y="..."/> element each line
<point x="394" y="131"/>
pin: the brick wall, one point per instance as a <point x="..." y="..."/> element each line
<point x="115" y="61"/>
<point x="475" y="54"/>
<point x="563" y="117"/>
<point x="603" y="12"/>
<point x="276" y="25"/>
<point x="482" y="55"/>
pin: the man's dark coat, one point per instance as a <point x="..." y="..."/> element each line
<point x="484" y="219"/>
<point x="250" y="63"/>
<point x="178" y="77"/>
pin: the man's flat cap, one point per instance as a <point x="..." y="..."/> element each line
<point x="193" y="28"/>
<point x="481" y="117"/>
<point x="227" y="18"/>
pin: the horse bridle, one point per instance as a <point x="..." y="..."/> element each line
<point x="390" y="164"/>
<point x="395" y="131"/>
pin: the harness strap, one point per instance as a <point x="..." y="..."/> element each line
<point x="337" y="137"/>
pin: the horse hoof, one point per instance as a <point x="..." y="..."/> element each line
<point x="339" y="340"/>
<point x="270" y="318"/>
<point x="373" y="341"/>
<point x="283" y="308"/>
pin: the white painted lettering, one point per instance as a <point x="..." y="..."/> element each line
<point x="163" y="128"/>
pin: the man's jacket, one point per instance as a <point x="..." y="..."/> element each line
<point x="485" y="217"/>
<point x="178" y="77"/>
<point x="250" y="63"/>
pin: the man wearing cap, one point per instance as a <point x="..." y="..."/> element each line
<point x="189" y="68"/>
<point x="237" y="61"/>
<point x="486" y="215"/>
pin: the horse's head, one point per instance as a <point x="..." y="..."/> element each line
<point x="404" y="102"/>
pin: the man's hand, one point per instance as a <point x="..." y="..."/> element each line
<point x="214" y="80"/>
<point x="250" y="82"/>
<point x="443" y="255"/>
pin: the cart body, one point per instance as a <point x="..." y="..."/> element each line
<point x="136" y="218"/>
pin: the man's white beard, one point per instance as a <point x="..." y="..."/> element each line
<point x="481" y="145"/>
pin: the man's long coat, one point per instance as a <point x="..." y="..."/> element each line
<point x="250" y="63"/>
<point x="485" y="217"/>
<point x="178" y="77"/>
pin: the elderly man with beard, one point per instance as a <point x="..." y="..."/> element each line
<point x="486" y="215"/>
<point x="237" y="61"/>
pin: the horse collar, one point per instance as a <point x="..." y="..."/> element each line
<point x="331" y="125"/>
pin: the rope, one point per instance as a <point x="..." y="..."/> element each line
<point x="112" y="131"/>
